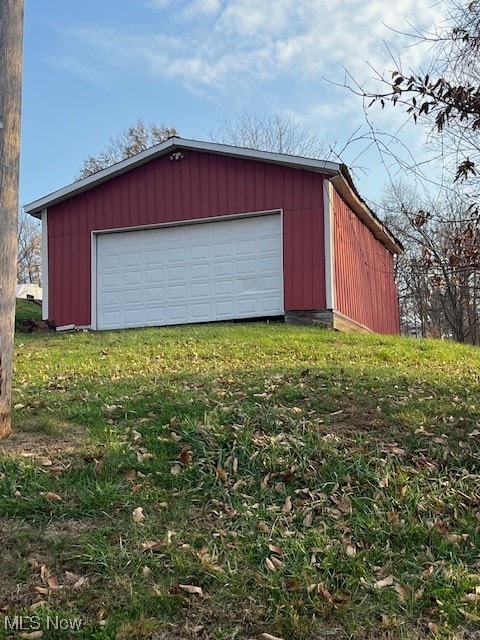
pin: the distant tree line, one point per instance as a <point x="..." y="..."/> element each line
<point x="439" y="273"/>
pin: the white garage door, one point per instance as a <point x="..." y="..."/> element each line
<point x="193" y="273"/>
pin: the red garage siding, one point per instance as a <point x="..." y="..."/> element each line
<point x="365" y="288"/>
<point x="200" y="185"/>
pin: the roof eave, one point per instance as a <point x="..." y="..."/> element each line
<point x="345" y="186"/>
<point x="322" y="166"/>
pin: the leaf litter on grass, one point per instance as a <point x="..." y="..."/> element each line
<point x="281" y="439"/>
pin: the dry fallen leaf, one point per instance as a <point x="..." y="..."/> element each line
<point x="469" y="615"/>
<point x="34" y="635"/>
<point x="186" y="456"/>
<point x="386" y="582"/>
<point x="268" y="636"/>
<point x="264" y="482"/>
<point x="192" y="589"/>
<point x="276" y="550"/>
<point x="53" y="496"/>
<point x="321" y="589"/>
<point x="351" y="550"/>
<point x="153" y="545"/>
<point x="37" y="605"/>
<point x="307" y="521"/>
<point x="138" y="515"/>
<point x="383" y="482"/>
<point x="176" y="470"/>
<point x="402" y="591"/>
<point x="222" y="474"/>
<point x="270" y="565"/>
<point x="387" y="622"/>
<point x="287" y="507"/>
<point x="44" y="573"/>
<point x="81" y="582"/>
<point x="471" y="597"/>
<point x="53" y="583"/>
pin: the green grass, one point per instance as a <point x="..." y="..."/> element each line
<point x="310" y="484"/>
<point x="26" y="310"/>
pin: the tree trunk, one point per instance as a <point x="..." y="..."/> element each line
<point x="11" y="37"/>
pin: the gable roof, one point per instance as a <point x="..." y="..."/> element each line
<point x="337" y="173"/>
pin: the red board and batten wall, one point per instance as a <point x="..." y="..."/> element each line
<point x="201" y="185"/>
<point x="364" y="283"/>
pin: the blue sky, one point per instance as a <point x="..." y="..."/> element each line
<point x="93" y="67"/>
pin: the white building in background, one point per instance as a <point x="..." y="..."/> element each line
<point x="29" y="291"/>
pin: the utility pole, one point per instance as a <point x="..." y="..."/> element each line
<point x="11" y="39"/>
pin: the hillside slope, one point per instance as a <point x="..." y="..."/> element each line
<point x="229" y="481"/>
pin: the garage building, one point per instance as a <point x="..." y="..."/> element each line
<point x="191" y="231"/>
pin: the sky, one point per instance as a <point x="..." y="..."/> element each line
<point x="94" y="67"/>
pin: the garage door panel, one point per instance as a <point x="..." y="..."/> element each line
<point x="177" y="293"/>
<point x="111" y="298"/>
<point x="131" y="260"/>
<point x="200" y="271"/>
<point x="222" y="269"/>
<point x="155" y="315"/>
<point x="133" y="317"/>
<point x="177" y="313"/>
<point x="246" y="267"/>
<point x="200" y="252"/>
<point x="224" y="309"/>
<point x="269" y="304"/>
<point x="153" y="258"/>
<point x="132" y="278"/>
<point x="111" y="320"/>
<point x="153" y="276"/>
<point x="109" y="262"/>
<point x="224" y="288"/>
<point x="223" y="250"/>
<point x="200" y="290"/>
<point x="110" y="281"/>
<point x="177" y="275"/>
<point x="191" y="273"/>
<point x="176" y="256"/>
<point x="201" y="312"/>
<point x="132" y="297"/>
<point x="269" y="264"/>
<point x="155" y="295"/>
<point x="245" y="247"/>
<point x="247" y="306"/>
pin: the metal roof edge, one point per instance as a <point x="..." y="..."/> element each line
<point x="35" y="207"/>
<point x="344" y="185"/>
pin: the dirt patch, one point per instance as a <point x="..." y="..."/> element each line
<point x="40" y="445"/>
<point x="67" y="528"/>
<point x="18" y="542"/>
<point x="24" y="548"/>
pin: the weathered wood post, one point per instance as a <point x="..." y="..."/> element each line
<point x="11" y="39"/>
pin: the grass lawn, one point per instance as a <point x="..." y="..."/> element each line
<point x="241" y="481"/>
<point x="26" y="310"/>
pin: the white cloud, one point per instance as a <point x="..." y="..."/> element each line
<point x="199" y="7"/>
<point x="221" y="41"/>
<point x="226" y="48"/>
